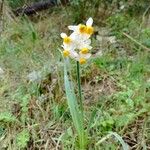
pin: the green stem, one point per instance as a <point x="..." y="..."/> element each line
<point x="82" y="135"/>
<point x="79" y="88"/>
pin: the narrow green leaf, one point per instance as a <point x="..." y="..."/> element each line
<point x="91" y="119"/>
<point x="117" y="136"/>
<point x="72" y="103"/>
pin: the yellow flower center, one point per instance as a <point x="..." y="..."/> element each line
<point x="82" y="28"/>
<point x="67" y="40"/>
<point x="84" y="50"/>
<point x="82" y="61"/>
<point x="66" y="53"/>
<point x="89" y="30"/>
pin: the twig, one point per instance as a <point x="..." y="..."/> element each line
<point x="1" y="15"/>
<point x="144" y="15"/>
<point x="2" y="3"/>
<point x="103" y="139"/>
<point x="135" y="41"/>
<point x="38" y="6"/>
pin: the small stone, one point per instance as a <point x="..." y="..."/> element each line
<point x="99" y="38"/>
<point x="122" y="7"/>
<point x="34" y="76"/>
<point x="1" y="73"/>
<point x="112" y="39"/>
<point x="104" y="31"/>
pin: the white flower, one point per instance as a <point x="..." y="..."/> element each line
<point x="81" y="56"/>
<point x="84" y="31"/>
<point x="77" y="45"/>
<point x="81" y="28"/>
<point x="67" y="40"/>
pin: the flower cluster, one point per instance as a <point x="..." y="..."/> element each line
<point x="77" y="45"/>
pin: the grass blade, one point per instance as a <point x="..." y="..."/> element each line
<point x="117" y="136"/>
<point x="72" y="103"/>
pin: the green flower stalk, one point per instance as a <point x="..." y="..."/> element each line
<point x="77" y="46"/>
<point x="79" y="89"/>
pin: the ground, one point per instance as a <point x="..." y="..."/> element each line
<point x="115" y="84"/>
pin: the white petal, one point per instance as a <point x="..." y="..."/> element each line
<point x="86" y="56"/>
<point x="88" y="42"/>
<point x="89" y="47"/>
<point x="68" y="46"/>
<point x="74" y="36"/>
<point x="85" y="36"/>
<point x="72" y="28"/>
<point x="85" y="44"/>
<point x="89" y="22"/>
<point x="74" y="55"/>
<point x="63" y="35"/>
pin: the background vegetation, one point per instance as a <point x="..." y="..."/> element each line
<point x="116" y="81"/>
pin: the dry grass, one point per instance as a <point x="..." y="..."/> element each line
<point x="114" y="84"/>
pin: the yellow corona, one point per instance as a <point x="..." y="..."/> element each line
<point x="67" y="40"/>
<point x="66" y="53"/>
<point x="82" y="61"/>
<point x="84" y="51"/>
<point x="89" y="30"/>
<point x="82" y="28"/>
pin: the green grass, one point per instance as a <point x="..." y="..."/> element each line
<point x="35" y="115"/>
<point x="20" y="3"/>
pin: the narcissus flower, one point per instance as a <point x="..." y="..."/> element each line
<point x="85" y="31"/>
<point x="77" y="45"/>
<point x="66" y="39"/>
<point x="81" y="57"/>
